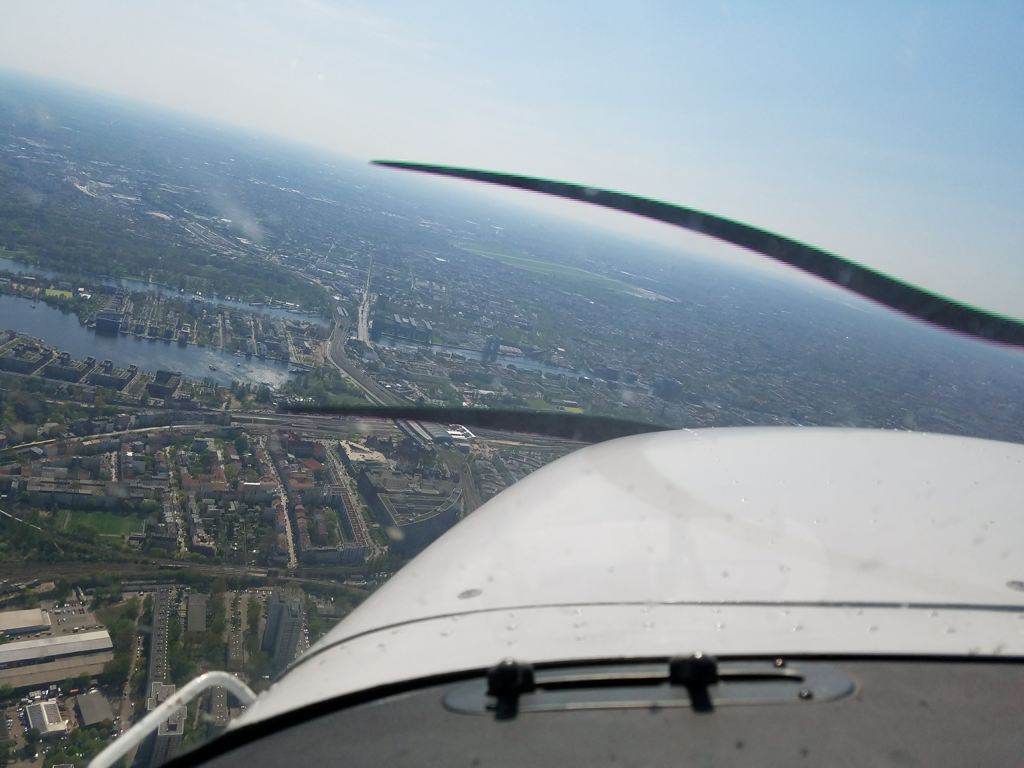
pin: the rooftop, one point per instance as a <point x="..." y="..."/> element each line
<point x="45" y="718"/>
<point x="94" y="708"/>
<point x="31" y="620"/>
<point x="28" y="651"/>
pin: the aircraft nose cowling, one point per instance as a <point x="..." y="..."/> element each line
<point x="742" y="542"/>
<point x="759" y="515"/>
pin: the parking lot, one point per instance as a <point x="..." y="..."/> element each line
<point x="66" y="618"/>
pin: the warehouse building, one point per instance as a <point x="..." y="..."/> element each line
<point x="93" y="709"/>
<point x="24" y="622"/>
<point x="45" y="718"/>
<point x="51" y="659"/>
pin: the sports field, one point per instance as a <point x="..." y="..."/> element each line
<point x="106" y="523"/>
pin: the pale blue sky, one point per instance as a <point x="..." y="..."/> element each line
<point x="891" y="133"/>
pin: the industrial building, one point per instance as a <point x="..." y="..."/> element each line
<point x="401" y="327"/>
<point x="45" y="718"/>
<point x="24" y="622"/>
<point x="52" y="659"/>
<point x="197" y="612"/>
<point x="93" y="709"/>
<point x="414" y="511"/>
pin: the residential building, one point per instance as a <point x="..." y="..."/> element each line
<point x="285" y="616"/>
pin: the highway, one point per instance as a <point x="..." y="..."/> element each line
<point x="363" y="329"/>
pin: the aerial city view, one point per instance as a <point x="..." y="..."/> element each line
<point x="170" y="293"/>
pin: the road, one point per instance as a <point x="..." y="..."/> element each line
<point x="363" y="329"/>
<point x="336" y="354"/>
<point x="275" y="458"/>
<point x="127" y="708"/>
<point x="454" y="460"/>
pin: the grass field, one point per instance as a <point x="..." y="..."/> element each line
<point x="106" y="523"/>
<point x="61" y="294"/>
<point x="548" y="268"/>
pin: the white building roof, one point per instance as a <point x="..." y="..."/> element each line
<point x="27" y="651"/>
<point x="45" y="718"/>
<point x="31" y="620"/>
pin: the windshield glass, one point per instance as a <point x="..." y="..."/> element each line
<point x="199" y="268"/>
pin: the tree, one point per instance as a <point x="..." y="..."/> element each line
<point x="218" y="587"/>
<point x="132" y="609"/>
<point x="61" y="589"/>
<point x="85" y="532"/>
<point x="263" y="394"/>
<point x="115" y="671"/>
<point x="268" y="545"/>
<point x="147" y="609"/>
<point x="255" y="608"/>
<point x="259" y="665"/>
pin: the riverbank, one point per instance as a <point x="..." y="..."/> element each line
<point x="64" y="331"/>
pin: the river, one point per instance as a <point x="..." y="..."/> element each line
<point x="18" y="267"/>
<point x="66" y="333"/>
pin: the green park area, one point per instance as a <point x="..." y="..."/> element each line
<point x="105" y="523"/>
<point x="59" y="294"/>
